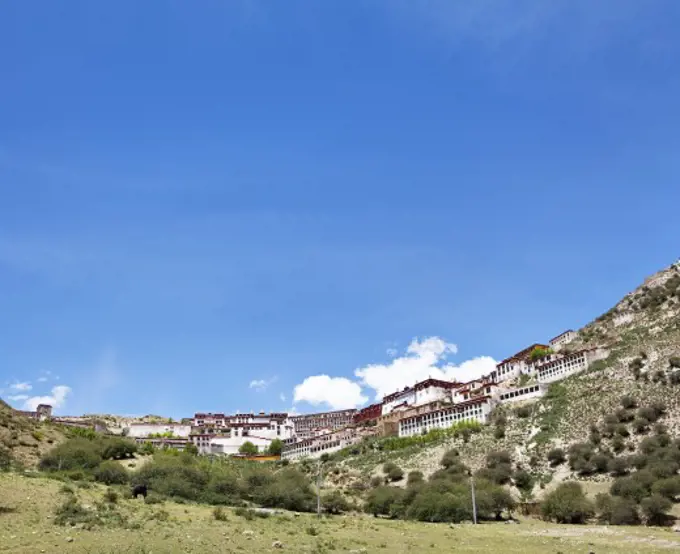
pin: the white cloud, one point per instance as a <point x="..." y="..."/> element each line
<point x="18" y="397"/>
<point x="336" y="392"/>
<point x="282" y="397"/>
<point x="420" y="362"/>
<point x="392" y="352"/>
<point x="56" y="399"/>
<point x="261" y="385"/>
<point x="21" y="386"/>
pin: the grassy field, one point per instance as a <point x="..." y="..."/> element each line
<point x="27" y="525"/>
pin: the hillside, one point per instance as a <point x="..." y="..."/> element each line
<point x="23" y="440"/>
<point x="642" y="334"/>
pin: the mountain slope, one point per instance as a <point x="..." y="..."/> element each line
<point x="642" y="334"/>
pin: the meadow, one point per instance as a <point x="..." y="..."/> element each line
<point x="29" y="524"/>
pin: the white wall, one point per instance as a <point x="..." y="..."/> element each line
<point x="146" y="429"/>
<point x="231" y="445"/>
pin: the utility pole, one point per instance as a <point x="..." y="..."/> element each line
<point x="474" y="501"/>
<point x="318" y="488"/>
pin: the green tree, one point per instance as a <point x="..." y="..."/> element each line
<point x="567" y="504"/>
<point x="655" y="509"/>
<point x="248" y="448"/>
<point x="275" y="447"/>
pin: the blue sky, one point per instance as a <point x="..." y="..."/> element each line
<point x="204" y="206"/>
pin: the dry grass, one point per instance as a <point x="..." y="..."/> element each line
<point x="27" y="527"/>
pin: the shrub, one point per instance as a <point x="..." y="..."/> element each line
<point x="111" y="473"/>
<point x="153" y="498"/>
<point x="567" y="504"/>
<point x="118" y="449"/>
<point x="556" y="457"/>
<point x="600" y="462"/>
<point x="75" y="453"/>
<point x="275" y="447"/>
<point x="636" y="364"/>
<point x="377" y="481"/>
<point x="248" y="448"/>
<point x="635" y="487"/>
<point x="523" y="480"/>
<point x="414" y="478"/>
<point x="618" y="445"/>
<point x="622" y="431"/>
<point x="394" y="472"/>
<point x="624" y="416"/>
<point x="191" y="449"/>
<point x="219" y="514"/>
<point x="147" y="448"/>
<point x="523" y="412"/>
<point x="383" y="501"/>
<point x="618" y="466"/>
<point x="674" y="362"/>
<point x="640" y="426"/>
<point x="615" y="510"/>
<point x="674" y="378"/>
<point x="668" y="488"/>
<point x="655" y="509"/>
<point x="334" y="502"/>
<point x="628" y="402"/>
<point x="111" y="496"/>
<point x="648" y="413"/>
<point x="450" y="458"/>
<point x="499" y="432"/>
<point x="435" y="505"/>
<point x="290" y="490"/>
<point x="580" y="458"/>
<point x="5" y="459"/>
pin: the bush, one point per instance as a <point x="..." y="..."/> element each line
<point x="111" y="473"/>
<point x="384" y="501"/>
<point x="655" y="509"/>
<point x="147" y="448"/>
<point x="615" y="510"/>
<point x="523" y="480"/>
<point x="73" y="454"/>
<point x="567" y="504"/>
<point x="450" y="458"/>
<point x="414" y="478"/>
<point x="219" y="514"/>
<point x="118" y="449"/>
<point x="290" y="490"/>
<point x="394" y="472"/>
<point x="624" y="416"/>
<point x="275" y="447"/>
<point x="334" y="502"/>
<point x="5" y="459"/>
<point x="674" y="362"/>
<point x="435" y="505"/>
<point x="640" y="426"/>
<point x="499" y="432"/>
<point x="618" y="445"/>
<point x="674" y="378"/>
<point x="635" y="487"/>
<point x="622" y="431"/>
<point x="556" y="457"/>
<point x="668" y="488"/>
<point x="248" y="448"/>
<point x="618" y="466"/>
<point x="111" y="496"/>
<point x="523" y="412"/>
<point x="648" y="413"/>
<point x="377" y="481"/>
<point x="191" y="448"/>
<point x="600" y="463"/>
<point x="580" y="458"/>
<point x="628" y="402"/>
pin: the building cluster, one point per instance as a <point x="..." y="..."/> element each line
<point x="427" y="405"/>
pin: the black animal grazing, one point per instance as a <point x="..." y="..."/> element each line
<point x="139" y="489"/>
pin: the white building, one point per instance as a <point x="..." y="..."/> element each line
<point x="561" y="340"/>
<point x="565" y="366"/>
<point x="473" y="410"/>
<point x="225" y="434"/>
<point x="325" y="444"/>
<point x="421" y="393"/>
<point x="141" y="430"/>
<point x="521" y="394"/>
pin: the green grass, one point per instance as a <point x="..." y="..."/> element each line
<point x="188" y="528"/>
